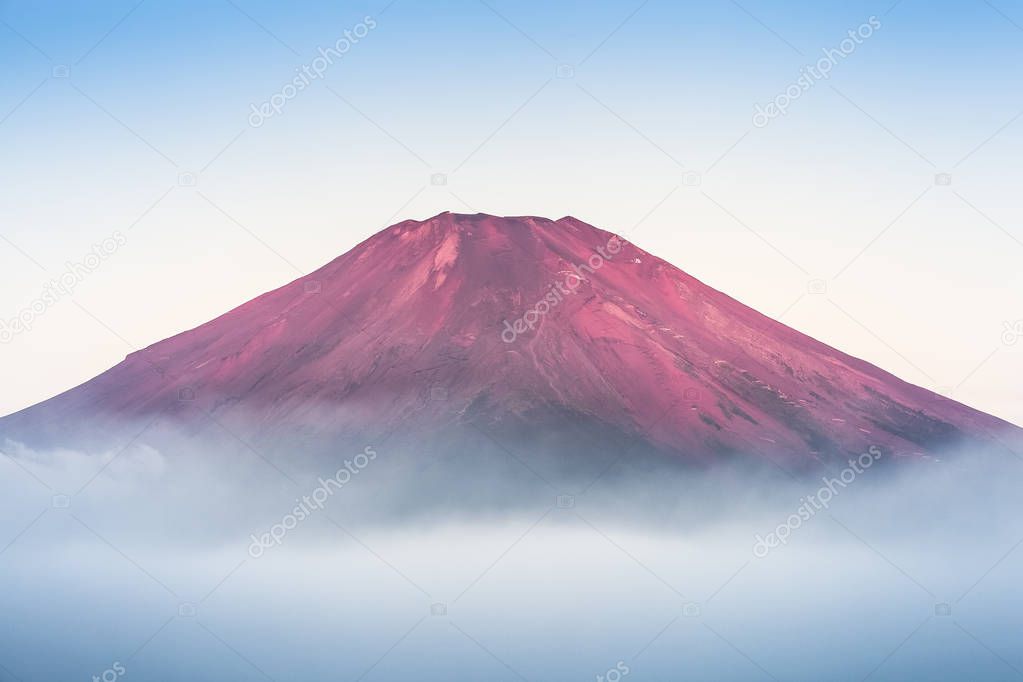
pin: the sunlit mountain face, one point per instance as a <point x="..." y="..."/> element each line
<point x="469" y="327"/>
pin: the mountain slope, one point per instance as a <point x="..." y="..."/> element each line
<point x="519" y="325"/>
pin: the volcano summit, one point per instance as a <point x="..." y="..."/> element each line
<point x="514" y="326"/>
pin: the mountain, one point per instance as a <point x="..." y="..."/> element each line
<point x="521" y="328"/>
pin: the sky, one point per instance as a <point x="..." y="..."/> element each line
<point x="879" y="213"/>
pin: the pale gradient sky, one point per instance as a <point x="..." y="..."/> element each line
<point x="920" y="277"/>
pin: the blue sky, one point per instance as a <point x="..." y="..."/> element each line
<point x="634" y="116"/>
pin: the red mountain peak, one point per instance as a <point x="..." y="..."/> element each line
<point x="479" y="320"/>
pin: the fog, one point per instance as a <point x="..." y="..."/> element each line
<point x="217" y="563"/>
